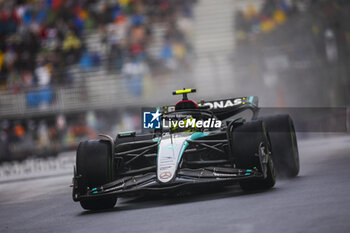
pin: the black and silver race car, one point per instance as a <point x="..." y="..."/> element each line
<point x="173" y="157"/>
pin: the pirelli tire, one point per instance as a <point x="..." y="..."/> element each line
<point x="94" y="163"/>
<point x="284" y="145"/>
<point x="247" y="140"/>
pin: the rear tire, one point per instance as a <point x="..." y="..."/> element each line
<point x="248" y="139"/>
<point x="94" y="163"/>
<point x="284" y="145"/>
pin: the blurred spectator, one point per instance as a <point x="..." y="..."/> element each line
<point x="331" y="46"/>
<point x="5" y="153"/>
<point x="43" y="74"/>
<point x="28" y="78"/>
<point x="61" y="127"/>
<point x="43" y="136"/>
<point x="89" y="60"/>
<point x="18" y="131"/>
<point x="168" y="56"/>
<point x="71" y="46"/>
<point x="134" y="73"/>
<point x="39" y="98"/>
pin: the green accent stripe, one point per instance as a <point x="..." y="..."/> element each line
<point x="127" y="132"/>
<point x="156" y="139"/>
<point x="194" y="136"/>
<point x="251" y="99"/>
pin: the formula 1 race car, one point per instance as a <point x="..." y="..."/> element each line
<point x="196" y="144"/>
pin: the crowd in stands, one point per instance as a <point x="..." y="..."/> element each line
<point x="293" y="45"/>
<point x="325" y="24"/>
<point x="253" y="21"/>
<point x="326" y="16"/>
<point x="38" y="38"/>
<point x="47" y="136"/>
<point x="41" y="39"/>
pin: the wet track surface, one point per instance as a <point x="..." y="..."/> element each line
<point x="316" y="201"/>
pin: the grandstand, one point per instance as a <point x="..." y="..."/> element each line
<point x="94" y="62"/>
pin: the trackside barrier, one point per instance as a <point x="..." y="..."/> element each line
<point x="37" y="167"/>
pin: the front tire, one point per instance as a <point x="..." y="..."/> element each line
<point x="94" y="163"/>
